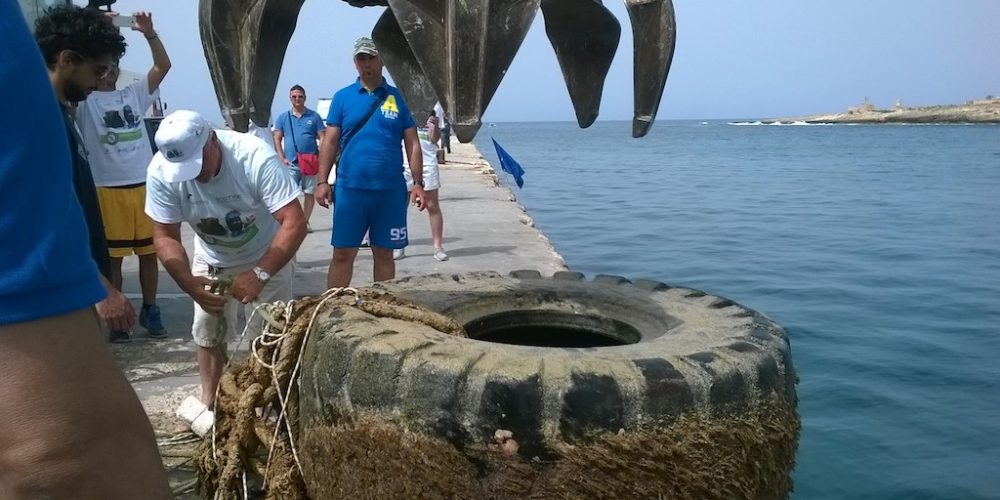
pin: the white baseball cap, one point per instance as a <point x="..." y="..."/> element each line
<point x="181" y="138"/>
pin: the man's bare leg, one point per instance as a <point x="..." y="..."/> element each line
<point x="384" y="267"/>
<point x="149" y="274"/>
<point x="116" y="273"/>
<point x="211" y="363"/>
<point x="342" y="267"/>
<point x="308" y="202"/>
<point x="72" y="425"/>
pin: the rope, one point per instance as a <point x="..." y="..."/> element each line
<point x="247" y="396"/>
<point x="329" y="294"/>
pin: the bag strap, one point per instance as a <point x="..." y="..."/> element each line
<point x="363" y="121"/>
<point x="291" y="123"/>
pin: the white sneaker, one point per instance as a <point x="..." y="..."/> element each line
<point x="398" y="253"/>
<point x="440" y="255"/>
<point x="197" y="415"/>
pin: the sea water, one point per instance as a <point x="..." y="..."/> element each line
<point x="876" y="246"/>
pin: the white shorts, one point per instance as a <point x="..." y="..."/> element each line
<point x="205" y="328"/>
<point x="432" y="177"/>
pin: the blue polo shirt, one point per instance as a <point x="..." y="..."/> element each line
<point x="303" y="128"/>
<point x="373" y="154"/>
<point x="45" y="263"/>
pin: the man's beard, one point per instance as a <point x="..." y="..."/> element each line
<point x="75" y="93"/>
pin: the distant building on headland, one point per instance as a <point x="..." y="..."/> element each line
<point x="990" y="99"/>
<point x="865" y="107"/>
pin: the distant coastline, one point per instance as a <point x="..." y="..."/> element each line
<point x="974" y="111"/>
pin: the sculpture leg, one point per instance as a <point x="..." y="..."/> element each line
<point x="654" y="31"/>
<point x="585" y="37"/>
<point x="245" y="43"/>
<point x="464" y="49"/>
<point x="403" y="65"/>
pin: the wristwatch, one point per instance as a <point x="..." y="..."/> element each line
<point x="262" y="275"/>
<point x="419" y="183"/>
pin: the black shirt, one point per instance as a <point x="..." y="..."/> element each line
<point x="86" y="194"/>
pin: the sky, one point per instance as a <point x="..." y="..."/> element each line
<point x="733" y="59"/>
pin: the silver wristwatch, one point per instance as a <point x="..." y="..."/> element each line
<point x="262" y="275"/>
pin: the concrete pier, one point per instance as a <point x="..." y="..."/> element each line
<point x="485" y="228"/>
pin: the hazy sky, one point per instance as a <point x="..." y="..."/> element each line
<point x="734" y="58"/>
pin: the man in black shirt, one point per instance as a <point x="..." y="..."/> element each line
<point x="72" y="426"/>
<point x="80" y="46"/>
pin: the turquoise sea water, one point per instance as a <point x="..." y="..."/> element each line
<point x="876" y="247"/>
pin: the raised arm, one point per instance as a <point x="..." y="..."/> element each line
<point x="433" y="131"/>
<point x="161" y="62"/>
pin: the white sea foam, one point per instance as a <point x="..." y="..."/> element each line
<point x="778" y="123"/>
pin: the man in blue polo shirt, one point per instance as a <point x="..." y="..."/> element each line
<point x="366" y="123"/>
<point x="296" y="131"/>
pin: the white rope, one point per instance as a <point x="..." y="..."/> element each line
<point x="269" y="338"/>
<point x="283" y="400"/>
<point x="275" y="343"/>
<point x="221" y="327"/>
<point x="246" y="491"/>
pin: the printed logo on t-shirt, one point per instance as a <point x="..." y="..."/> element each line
<point x="122" y="126"/>
<point x="237" y="230"/>
<point x="389" y="108"/>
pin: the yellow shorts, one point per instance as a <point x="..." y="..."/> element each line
<point x="126" y="225"/>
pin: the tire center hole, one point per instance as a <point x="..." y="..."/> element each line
<point x="547" y="328"/>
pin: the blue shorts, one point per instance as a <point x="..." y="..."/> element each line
<point x="380" y="213"/>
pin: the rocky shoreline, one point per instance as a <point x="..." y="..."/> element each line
<point x="980" y="111"/>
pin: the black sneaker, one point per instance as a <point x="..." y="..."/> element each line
<point x="119" y="337"/>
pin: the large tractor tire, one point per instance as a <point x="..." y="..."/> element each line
<point x="564" y="388"/>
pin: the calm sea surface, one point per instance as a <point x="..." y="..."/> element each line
<point x="876" y="247"/>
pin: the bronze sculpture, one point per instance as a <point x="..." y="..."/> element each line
<point x="245" y="43"/>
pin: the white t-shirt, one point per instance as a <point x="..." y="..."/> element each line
<point x="263" y="133"/>
<point x="428" y="148"/>
<point x="115" y="135"/>
<point x="232" y="213"/>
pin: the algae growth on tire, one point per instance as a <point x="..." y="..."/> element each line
<point x="564" y="388"/>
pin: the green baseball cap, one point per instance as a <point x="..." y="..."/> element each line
<point x="365" y="45"/>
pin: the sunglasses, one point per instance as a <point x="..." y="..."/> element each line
<point x="100" y="70"/>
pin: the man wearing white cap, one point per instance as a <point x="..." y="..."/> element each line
<point x="243" y="206"/>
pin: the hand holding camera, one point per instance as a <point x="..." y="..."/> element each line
<point x="139" y="21"/>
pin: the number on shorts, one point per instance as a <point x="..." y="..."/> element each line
<point x="397" y="234"/>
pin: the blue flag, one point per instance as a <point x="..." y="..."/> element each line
<point x="510" y="165"/>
